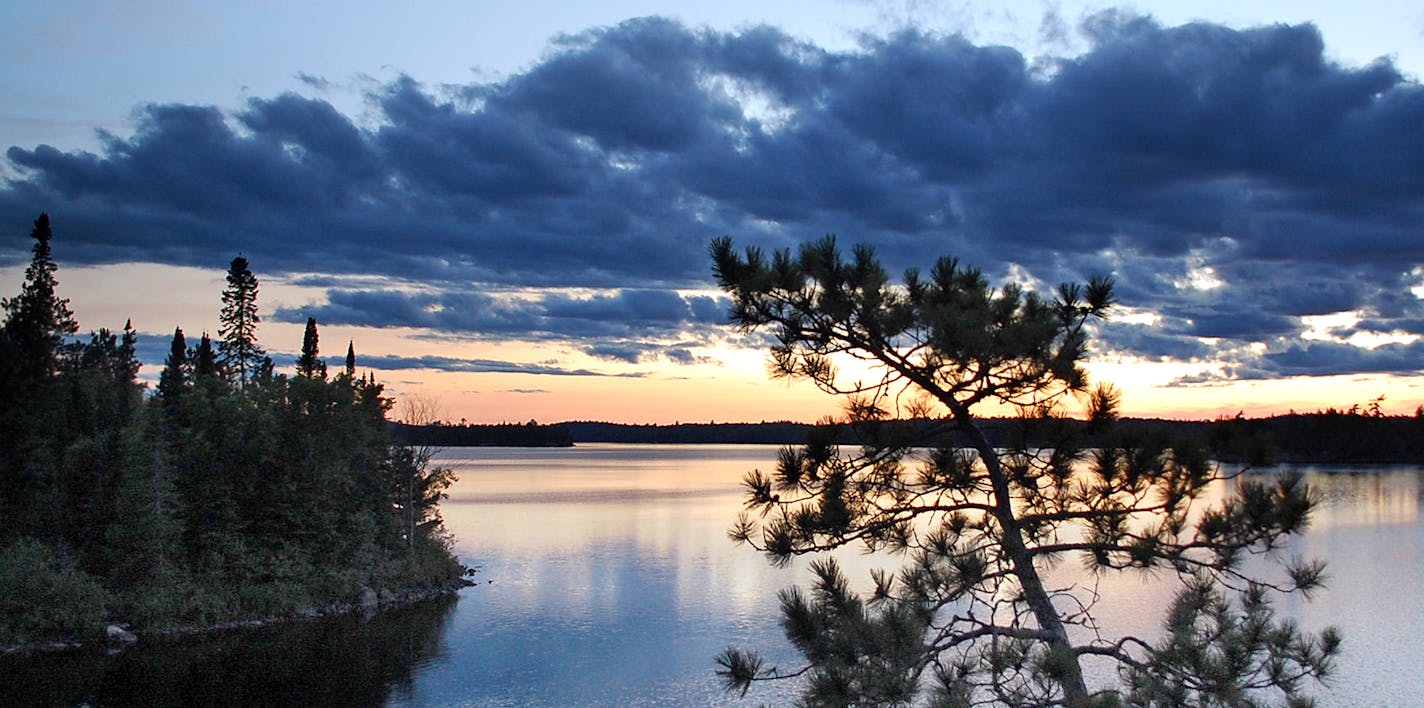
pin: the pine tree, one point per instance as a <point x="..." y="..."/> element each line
<point x="37" y="320"/>
<point x="969" y="616"/>
<point x="350" y="360"/>
<point x="310" y="364"/>
<point x="239" y="353"/>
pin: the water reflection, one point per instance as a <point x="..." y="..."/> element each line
<point x="1364" y="496"/>
<point x="607" y="579"/>
<point x="1369" y="532"/>
<point x="612" y="569"/>
<point x="613" y="580"/>
<point x="342" y="661"/>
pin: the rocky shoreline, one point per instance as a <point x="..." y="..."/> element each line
<point x="117" y="636"/>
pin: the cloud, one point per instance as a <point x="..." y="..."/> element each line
<point x="643" y="318"/>
<point x="319" y="83"/>
<point x="1233" y="180"/>
<point x="476" y="366"/>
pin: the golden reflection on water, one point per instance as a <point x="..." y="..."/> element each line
<point x="1365" y="496"/>
<point x="608" y="540"/>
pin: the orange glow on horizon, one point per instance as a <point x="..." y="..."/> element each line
<point x="726" y="385"/>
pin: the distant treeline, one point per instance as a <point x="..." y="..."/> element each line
<point x="501" y="435"/>
<point x="1002" y="431"/>
<point x="1330" y="436"/>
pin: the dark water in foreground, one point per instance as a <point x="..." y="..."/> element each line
<point x="344" y="661"/>
<point x="607" y="579"/>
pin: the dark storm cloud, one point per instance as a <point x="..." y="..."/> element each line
<point x="1234" y="181"/>
<point x="599" y="318"/>
<point x="1308" y="357"/>
<point x="1156" y="342"/>
<point x="630" y="91"/>
<point x="634" y="352"/>
<point x="482" y="366"/>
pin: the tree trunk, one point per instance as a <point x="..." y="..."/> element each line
<point x="1075" y="690"/>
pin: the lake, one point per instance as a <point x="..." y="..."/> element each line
<point x="606" y="578"/>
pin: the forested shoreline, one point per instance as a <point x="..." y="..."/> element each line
<point x="230" y="491"/>
<point x="1354" y="435"/>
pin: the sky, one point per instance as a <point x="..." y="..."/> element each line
<point x="507" y="207"/>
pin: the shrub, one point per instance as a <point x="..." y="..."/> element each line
<point x="44" y="595"/>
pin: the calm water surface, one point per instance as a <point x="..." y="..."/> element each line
<point x="613" y="581"/>
<point x="606" y="578"/>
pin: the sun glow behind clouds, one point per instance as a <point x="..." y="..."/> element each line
<point x="1199" y="275"/>
<point x="1135" y="316"/>
<point x="1324" y="328"/>
<point x="1148" y="391"/>
<point x="728" y="382"/>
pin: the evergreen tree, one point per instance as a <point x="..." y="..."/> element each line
<point x="128" y="353"/>
<point x="310" y="364"/>
<point x="33" y="406"/>
<point x="266" y="370"/>
<point x="205" y="361"/>
<point x="101" y="378"/>
<point x="969" y="616"/>
<point x="239" y="352"/>
<point x="171" y="379"/>
<point x="37" y="320"/>
<point x="350" y="360"/>
<point x="141" y="551"/>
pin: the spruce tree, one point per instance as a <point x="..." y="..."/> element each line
<point x="33" y="403"/>
<point x="240" y="355"/>
<point x="205" y="361"/>
<point x="170" y="380"/>
<point x="310" y="364"/>
<point x="37" y="320"/>
<point x="128" y="353"/>
<point x="350" y="360"/>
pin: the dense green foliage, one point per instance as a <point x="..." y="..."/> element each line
<point x="974" y="617"/>
<point x="221" y="495"/>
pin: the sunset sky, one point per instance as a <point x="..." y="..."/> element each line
<point x="507" y="206"/>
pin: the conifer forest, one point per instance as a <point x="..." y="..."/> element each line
<point x="229" y="490"/>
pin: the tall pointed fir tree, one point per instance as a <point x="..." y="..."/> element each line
<point x="310" y="364"/>
<point x="170" y="380"/>
<point x="205" y="360"/>
<point x="37" y="320"/>
<point x="128" y="352"/>
<point x="350" y="360"/>
<point x="239" y="354"/>
<point x="32" y="335"/>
